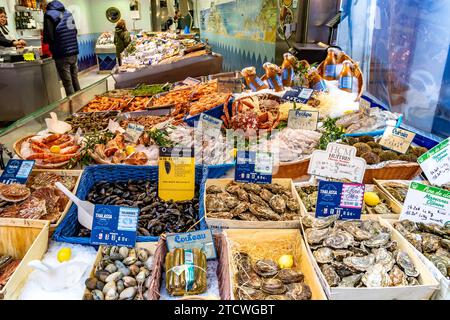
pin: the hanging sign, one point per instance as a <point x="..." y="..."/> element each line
<point x="427" y="204"/>
<point x="133" y="132"/>
<point x="303" y="119"/>
<point x="114" y="226"/>
<point x="176" y="180"/>
<point x="202" y="240"/>
<point x="254" y="167"/>
<point x="397" y="139"/>
<point x="338" y="162"/>
<point x="345" y="199"/>
<point x="436" y="163"/>
<point x="300" y="95"/>
<point x="17" y="171"/>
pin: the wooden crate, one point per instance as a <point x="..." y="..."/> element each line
<point x="238" y="224"/>
<point x="380" y="184"/>
<point x="424" y="291"/>
<point x="268" y="238"/>
<point x="150" y="246"/>
<point x="73" y="173"/>
<point x="26" y="240"/>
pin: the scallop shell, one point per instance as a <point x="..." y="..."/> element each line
<point x="14" y="192"/>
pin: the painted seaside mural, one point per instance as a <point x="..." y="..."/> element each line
<point x="243" y="31"/>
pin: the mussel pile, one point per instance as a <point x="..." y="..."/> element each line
<point x="156" y="216"/>
<point x="7" y="267"/>
<point x="358" y="253"/>
<point x="252" y="202"/>
<point x="264" y="280"/>
<point x="121" y="274"/>
<point x="430" y="239"/>
<point x="91" y="122"/>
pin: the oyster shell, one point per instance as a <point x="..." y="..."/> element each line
<point x="316" y="236"/>
<point x="278" y="204"/>
<point x="293" y="205"/>
<point x="351" y="281"/>
<point x="214" y="204"/>
<point x="413" y="281"/>
<point x="248" y="279"/>
<point x="213" y="189"/>
<point x="430" y="242"/>
<point x="266" y="268"/>
<point x="265" y="194"/>
<point x="323" y="255"/>
<point x="277" y="297"/>
<point x="376" y="276"/>
<point x="299" y="291"/>
<point x="398" y="277"/>
<point x="405" y="262"/>
<point x="441" y="263"/>
<point x="288" y="276"/>
<point x="243" y="261"/>
<point x="253" y="198"/>
<point x="262" y="212"/>
<point x="273" y="286"/>
<point x="339" y="255"/>
<point x="246" y="216"/>
<point x="240" y="208"/>
<point x="330" y="275"/>
<point x="310" y="221"/>
<point x="391" y="246"/>
<point x="221" y="215"/>
<point x="341" y="269"/>
<point x="384" y="257"/>
<point x="230" y="201"/>
<point x="378" y="240"/>
<point x="252" y="187"/>
<point x="249" y="293"/>
<point x="339" y="240"/>
<point x="360" y="263"/>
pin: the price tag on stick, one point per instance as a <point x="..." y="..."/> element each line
<point x="133" y="132"/>
<point x="436" y="163"/>
<point x="17" y="171"/>
<point x="302" y="119"/>
<point x="397" y="139"/>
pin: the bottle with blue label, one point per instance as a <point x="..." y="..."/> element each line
<point x="329" y="65"/>
<point x="346" y="77"/>
<point x="315" y="81"/>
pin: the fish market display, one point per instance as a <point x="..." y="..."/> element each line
<point x="145" y="90"/>
<point x="251" y="202"/>
<point x="264" y="279"/>
<point x="121" y="274"/>
<point x="367" y="121"/>
<point x="137" y="104"/>
<point x="207" y="102"/>
<point x="156" y="216"/>
<point x="192" y="279"/>
<point x="39" y="199"/>
<point x="53" y="150"/>
<point x="430" y="239"/>
<point x="106" y="104"/>
<point x="147" y="121"/>
<point x="90" y="122"/>
<point x="358" y="253"/>
<point x="7" y="267"/>
<point x="370" y="150"/>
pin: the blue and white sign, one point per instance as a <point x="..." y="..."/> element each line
<point x="114" y="225"/>
<point x="254" y="167"/>
<point x="202" y="239"/>
<point x="345" y="199"/>
<point x="17" y="171"/>
<point x="299" y="95"/>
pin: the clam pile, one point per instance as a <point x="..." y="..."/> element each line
<point x="156" y="216"/>
<point x="252" y="202"/>
<point x="121" y="274"/>
<point x="264" y="280"/>
<point x="90" y="122"/>
<point x="358" y="253"/>
<point x="430" y="239"/>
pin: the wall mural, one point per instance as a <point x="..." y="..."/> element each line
<point x="243" y="31"/>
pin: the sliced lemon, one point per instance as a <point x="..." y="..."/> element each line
<point x="130" y="150"/>
<point x="286" y="262"/>
<point x="371" y="199"/>
<point x="55" y="149"/>
<point x="64" y="254"/>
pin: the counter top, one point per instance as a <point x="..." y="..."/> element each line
<point x="24" y="64"/>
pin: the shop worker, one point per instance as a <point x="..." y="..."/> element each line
<point x="61" y="33"/>
<point x="122" y="39"/>
<point x="6" y="39"/>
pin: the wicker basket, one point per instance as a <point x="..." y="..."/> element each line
<point x="222" y="270"/>
<point x="356" y="71"/>
<point x="297" y="170"/>
<point x="395" y="171"/>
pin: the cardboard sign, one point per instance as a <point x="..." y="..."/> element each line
<point x="253" y="167"/>
<point x="436" y="163"/>
<point x="202" y="239"/>
<point x="397" y="139"/>
<point x="176" y="179"/>
<point x="133" y="132"/>
<point x="17" y="171"/>
<point x="303" y="119"/>
<point x="209" y="126"/>
<point x="300" y="95"/>
<point x="191" y="81"/>
<point x="426" y="204"/>
<point x="345" y="199"/>
<point x="338" y="162"/>
<point x="114" y="226"/>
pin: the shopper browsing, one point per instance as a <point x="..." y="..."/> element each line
<point x="61" y="33"/>
<point x="122" y="39"/>
<point x="6" y="39"/>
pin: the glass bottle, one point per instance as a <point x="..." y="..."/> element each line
<point x="315" y="80"/>
<point x="346" y="77"/>
<point x="329" y="65"/>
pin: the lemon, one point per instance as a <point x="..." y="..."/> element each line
<point x="64" y="254"/>
<point x="347" y="112"/>
<point x="55" y="149"/>
<point x="130" y="150"/>
<point x="371" y="199"/>
<point x="286" y="262"/>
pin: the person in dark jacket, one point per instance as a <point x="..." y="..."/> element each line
<point x="61" y="33"/>
<point x="5" y="38"/>
<point x="122" y="39"/>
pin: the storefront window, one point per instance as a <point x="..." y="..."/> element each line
<point x="403" y="48"/>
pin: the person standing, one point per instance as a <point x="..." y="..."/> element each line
<point x="6" y="39"/>
<point x="122" y="39"/>
<point x="60" y="33"/>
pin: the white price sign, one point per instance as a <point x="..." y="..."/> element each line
<point x="436" y="163"/>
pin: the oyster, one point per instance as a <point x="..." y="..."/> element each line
<point x="288" y="276"/>
<point x="405" y="262"/>
<point x="257" y="199"/>
<point x="278" y="204"/>
<point x="230" y="201"/>
<point x="214" y="204"/>
<point x="376" y="276"/>
<point x="330" y="275"/>
<point x="249" y="279"/>
<point x="242" y="195"/>
<point x="391" y="246"/>
<point x="214" y="189"/>
<point x="233" y="188"/>
<point x="398" y="277"/>
<point x="339" y="240"/>
<point x="316" y="236"/>
<point x="249" y="293"/>
<point x="377" y="241"/>
<point x="384" y="257"/>
<point x="351" y="281"/>
<point x="264" y="212"/>
<point x="221" y="215"/>
<point x="339" y="255"/>
<point x="357" y="233"/>
<point x="243" y="261"/>
<point x="293" y="205"/>
<point x="299" y="291"/>
<point x="323" y="255"/>
<point x="341" y="269"/>
<point x="320" y="223"/>
<point x="240" y="208"/>
<point x="252" y="187"/>
<point x="266" y="195"/>
<point x="266" y="268"/>
<point x="441" y="263"/>
<point x="276" y="188"/>
<point x="277" y="297"/>
<point x="360" y="263"/>
<point x="246" y="216"/>
<point x="445" y="243"/>
<point x="430" y="242"/>
<point x="413" y="281"/>
<point x="273" y="286"/>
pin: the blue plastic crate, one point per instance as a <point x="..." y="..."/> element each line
<point x="68" y="230"/>
<point x="216" y="112"/>
<point x="217" y="171"/>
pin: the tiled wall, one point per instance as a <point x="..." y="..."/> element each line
<point x="86" y="44"/>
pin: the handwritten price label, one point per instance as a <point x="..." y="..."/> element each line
<point x="397" y="139"/>
<point x="302" y="119"/>
<point x="436" y="163"/>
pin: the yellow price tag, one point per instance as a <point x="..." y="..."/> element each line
<point x="29" y="56"/>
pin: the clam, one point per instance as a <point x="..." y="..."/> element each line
<point x="91" y="283"/>
<point x="111" y="294"/>
<point x="128" y="293"/>
<point x="102" y="275"/>
<point x="405" y="262"/>
<point x="108" y="286"/>
<point x="378" y="240"/>
<point x="111" y="268"/>
<point x="116" y="276"/>
<point x="323" y="255"/>
<point x="339" y="240"/>
<point x="129" y="281"/>
<point x="97" y="295"/>
<point x="143" y="254"/>
<point x="330" y="275"/>
<point x="273" y="286"/>
<point x="123" y="251"/>
<point x="249" y="293"/>
<point x="316" y="236"/>
<point x="288" y="276"/>
<point x="398" y="277"/>
<point x="351" y="281"/>
<point x="129" y="261"/>
<point x="376" y="276"/>
<point x="266" y="268"/>
<point x="120" y="286"/>
<point x="115" y="256"/>
<point x="299" y="291"/>
<point x="360" y="263"/>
